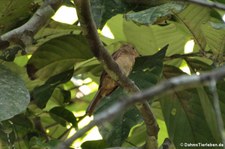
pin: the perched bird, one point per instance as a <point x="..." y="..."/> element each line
<point x="125" y="58"/>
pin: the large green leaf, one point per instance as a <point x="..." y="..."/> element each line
<point x="205" y="97"/>
<point x="146" y="73"/>
<point x="189" y="111"/>
<point x="52" y="30"/>
<point x="148" y="39"/>
<point x="115" y="25"/>
<point x="191" y="23"/>
<point x="12" y="16"/>
<point x="14" y="94"/>
<point x="192" y="18"/>
<point x="151" y="15"/>
<point x="58" y="55"/>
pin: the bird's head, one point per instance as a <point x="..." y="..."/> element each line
<point x="129" y="49"/>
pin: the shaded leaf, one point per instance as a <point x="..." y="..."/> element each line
<point x="12" y="16"/>
<point x="22" y="121"/>
<point x="197" y="65"/>
<point x="58" y="55"/>
<point x="151" y="15"/>
<point x="40" y="143"/>
<point x="205" y="98"/>
<point x="138" y="134"/>
<point x="97" y="144"/>
<point x="14" y="94"/>
<point x="42" y="93"/>
<point x="9" y="54"/>
<point x="62" y="115"/>
<point x="188" y="111"/>
<point x="103" y="10"/>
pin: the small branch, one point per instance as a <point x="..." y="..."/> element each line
<point x="175" y="56"/>
<point x="177" y="83"/>
<point x="38" y="126"/>
<point x="209" y="4"/>
<point x="90" y="31"/>
<point x="66" y="132"/>
<point x="23" y="35"/>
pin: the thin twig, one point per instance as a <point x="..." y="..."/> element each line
<point x="178" y="83"/>
<point x="175" y="56"/>
<point x="65" y="133"/>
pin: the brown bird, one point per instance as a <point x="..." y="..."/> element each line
<point x="125" y="58"/>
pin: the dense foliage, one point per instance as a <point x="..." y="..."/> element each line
<point x="42" y="98"/>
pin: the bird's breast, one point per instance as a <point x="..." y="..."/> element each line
<point x="125" y="63"/>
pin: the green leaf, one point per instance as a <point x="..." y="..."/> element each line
<point x="42" y="93"/>
<point x="12" y="16"/>
<point x="89" y="66"/>
<point x="151" y="15"/>
<point x="148" y="68"/>
<point x="216" y="41"/>
<point x="103" y="10"/>
<point x="22" y="120"/>
<point x="205" y="97"/>
<point x="146" y="73"/>
<point x="138" y="134"/>
<point x="53" y="30"/>
<point x="40" y="143"/>
<point x="148" y="39"/>
<point x="209" y="112"/>
<point x="192" y="18"/>
<point x="62" y="115"/>
<point x="197" y="65"/>
<point x="14" y="94"/>
<point x="58" y="55"/>
<point x="9" y="54"/>
<point x="188" y="111"/>
<point x="97" y="144"/>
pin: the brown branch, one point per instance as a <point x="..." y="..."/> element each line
<point x="209" y="4"/>
<point x="89" y="30"/>
<point x="177" y="83"/>
<point x="24" y="34"/>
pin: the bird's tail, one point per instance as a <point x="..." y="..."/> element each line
<point x="94" y="103"/>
